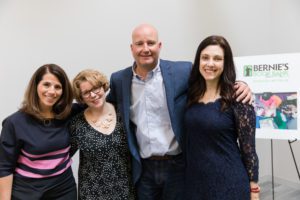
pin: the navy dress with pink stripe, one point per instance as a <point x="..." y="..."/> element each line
<point x="33" y="150"/>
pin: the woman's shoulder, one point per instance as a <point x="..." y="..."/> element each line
<point x="240" y="105"/>
<point x="118" y="113"/>
<point x="17" y="119"/>
<point x="17" y="116"/>
<point x="117" y="110"/>
<point x="243" y="109"/>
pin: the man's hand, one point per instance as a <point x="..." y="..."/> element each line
<point x="243" y="92"/>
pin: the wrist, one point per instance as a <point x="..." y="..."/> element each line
<point x="255" y="189"/>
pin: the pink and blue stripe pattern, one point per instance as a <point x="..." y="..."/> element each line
<point x="43" y="165"/>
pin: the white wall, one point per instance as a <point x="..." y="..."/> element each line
<point x="78" y="34"/>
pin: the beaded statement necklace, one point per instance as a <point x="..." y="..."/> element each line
<point x="103" y="123"/>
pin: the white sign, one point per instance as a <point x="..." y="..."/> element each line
<point x="275" y="82"/>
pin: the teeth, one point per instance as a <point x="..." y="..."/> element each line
<point x="209" y="70"/>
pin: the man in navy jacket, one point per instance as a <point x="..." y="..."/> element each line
<point x="151" y="96"/>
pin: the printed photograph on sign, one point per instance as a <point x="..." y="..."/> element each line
<point x="276" y="110"/>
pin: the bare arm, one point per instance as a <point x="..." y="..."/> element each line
<point x="243" y="92"/>
<point x="6" y="187"/>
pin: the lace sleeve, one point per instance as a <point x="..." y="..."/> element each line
<point x="245" y="124"/>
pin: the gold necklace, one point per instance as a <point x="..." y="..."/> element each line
<point x="103" y="123"/>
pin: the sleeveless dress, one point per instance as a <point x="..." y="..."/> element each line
<point x="104" y="166"/>
<point x="218" y="168"/>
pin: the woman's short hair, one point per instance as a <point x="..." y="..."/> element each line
<point x="94" y="77"/>
<point x="62" y="107"/>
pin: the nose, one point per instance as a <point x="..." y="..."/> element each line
<point x="52" y="90"/>
<point x="92" y="94"/>
<point x="210" y="62"/>
<point x="146" y="48"/>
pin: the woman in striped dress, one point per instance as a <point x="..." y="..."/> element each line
<point x="34" y="141"/>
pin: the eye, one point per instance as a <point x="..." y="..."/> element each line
<point x="218" y="58"/>
<point x="46" y="84"/>
<point x="58" y="87"/>
<point x="85" y="92"/>
<point x="204" y="57"/>
<point x="151" y="43"/>
<point x="96" y="90"/>
<point x="138" y="43"/>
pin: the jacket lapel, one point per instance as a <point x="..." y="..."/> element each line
<point x="166" y="71"/>
<point x="126" y="96"/>
<point x="126" y="93"/>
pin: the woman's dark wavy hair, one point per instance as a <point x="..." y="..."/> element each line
<point x="62" y="107"/>
<point x="197" y="85"/>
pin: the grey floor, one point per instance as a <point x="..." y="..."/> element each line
<point x="283" y="190"/>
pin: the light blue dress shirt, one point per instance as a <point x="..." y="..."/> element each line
<point x="149" y="112"/>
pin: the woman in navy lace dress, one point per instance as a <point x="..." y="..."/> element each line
<point x="220" y="142"/>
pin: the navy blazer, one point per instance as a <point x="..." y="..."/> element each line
<point x="175" y="79"/>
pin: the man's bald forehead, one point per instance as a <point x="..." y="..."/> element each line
<point x="144" y="27"/>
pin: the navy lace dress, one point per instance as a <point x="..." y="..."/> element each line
<point x="220" y="152"/>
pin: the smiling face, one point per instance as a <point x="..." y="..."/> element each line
<point x="49" y="91"/>
<point x="145" y="47"/>
<point x="93" y="97"/>
<point x="211" y="63"/>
